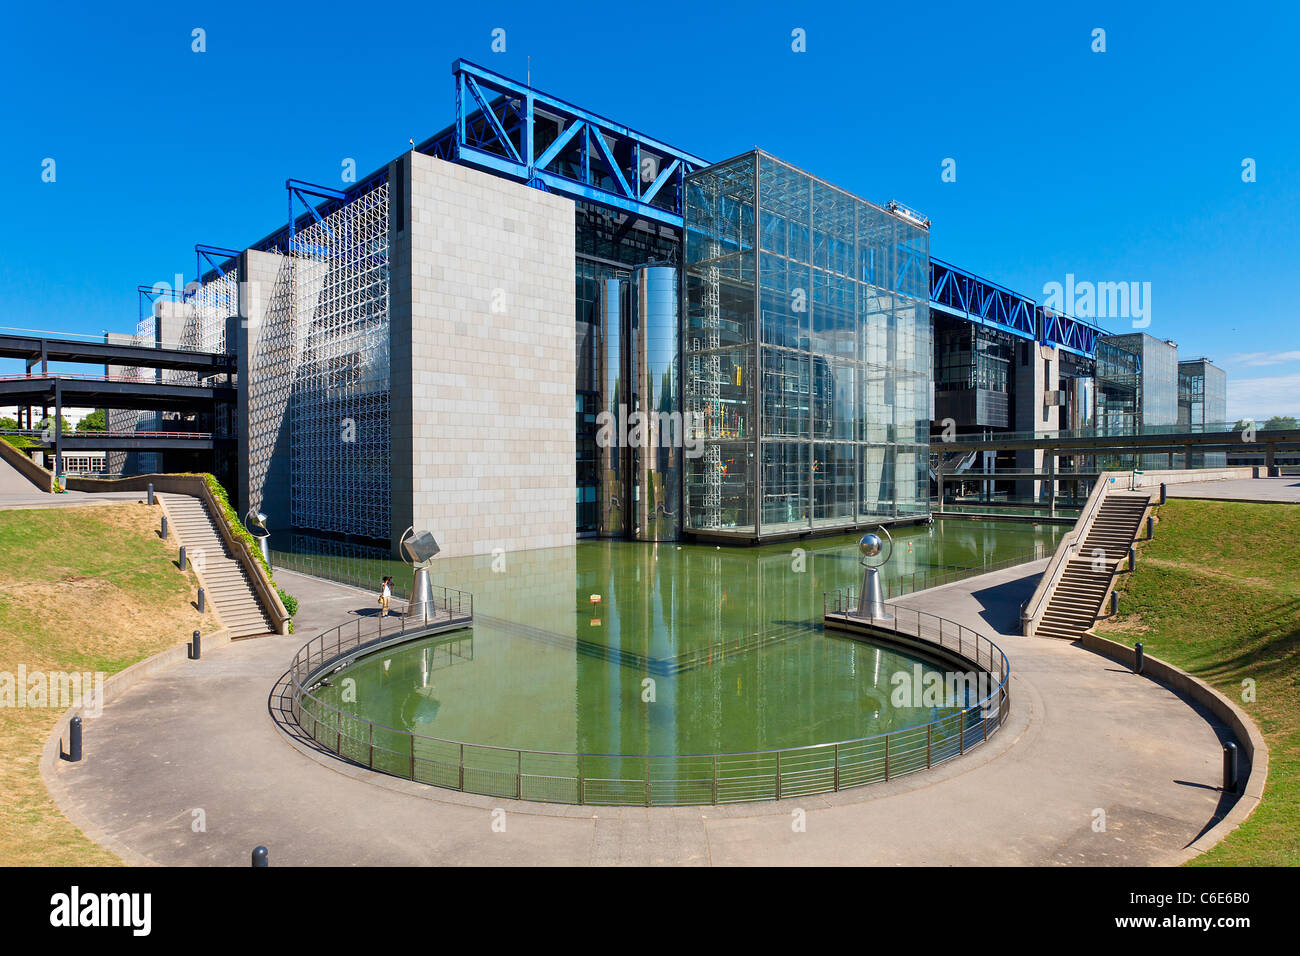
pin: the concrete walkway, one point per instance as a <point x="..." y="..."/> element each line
<point x="1084" y="738"/>
<point x="1276" y="490"/>
<point x="16" y="492"/>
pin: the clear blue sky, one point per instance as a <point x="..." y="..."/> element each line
<point x="1115" y="166"/>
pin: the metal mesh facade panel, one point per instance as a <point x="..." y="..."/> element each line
<point x="206" y="312"/>
<point x="130" y="419"/>
<point x="340" y="437"/>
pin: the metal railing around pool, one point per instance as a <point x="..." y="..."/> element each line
<point x="659" y="779"/>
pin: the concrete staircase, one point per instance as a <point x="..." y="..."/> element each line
<point x="225" y="583"/>
<point x="1077" y="599"/>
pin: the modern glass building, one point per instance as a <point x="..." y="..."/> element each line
<point x="806" y="354"/>
<point x="1203" y="400"/>
<point x="1158" y="389"/>
<point x="973" y="377"/>
<point x="1118" y="378"/>
<point x="772" y="351"/>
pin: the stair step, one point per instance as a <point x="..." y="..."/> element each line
<point x="225" y="581"/>
<point x="1083" y="619"/>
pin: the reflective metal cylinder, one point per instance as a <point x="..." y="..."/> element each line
<point x="421" y="602"/>
<point x="1081" y="399"/>
<point x="658" y="447"/>
<point x="612" y="519"/>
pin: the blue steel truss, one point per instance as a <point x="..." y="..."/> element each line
<point x="513" y="130"/>
<point x="216" y="257"/>
<point x="1068" y="333"/>
<point x="147" y="295"/>
<point x="282" y="240"/>
<point x="969" y="297"/>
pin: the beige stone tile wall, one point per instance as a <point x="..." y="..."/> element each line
<point x="492" y="361"/>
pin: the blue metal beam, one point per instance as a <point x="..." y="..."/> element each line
<point x="967" y="296"/>
<point x="1069" y="333"/>
<point x="483" y="96"/>
<point x="215" y="256"/>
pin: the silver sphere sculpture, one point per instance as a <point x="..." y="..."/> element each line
<point x="870" y="545"/>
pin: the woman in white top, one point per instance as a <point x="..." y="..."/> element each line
<point x="385" y="596"/>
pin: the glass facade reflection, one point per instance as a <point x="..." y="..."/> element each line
<point x="1203" y="400"/>
<point x="1118" y="389"/>
<point x="1158" y="392"/>
<point x="608" y="246"/>
<point x="807" y="353"/>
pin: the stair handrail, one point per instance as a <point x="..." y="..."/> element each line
<point x="196" y="486"/>
<point x="262" y="585"/>
<point x="1034" y="609"/>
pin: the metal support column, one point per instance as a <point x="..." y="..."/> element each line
<point x="58" y="426"/>
<point x="1050" y="456"/>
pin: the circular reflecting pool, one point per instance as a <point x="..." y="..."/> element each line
<point x="630" y="648"/>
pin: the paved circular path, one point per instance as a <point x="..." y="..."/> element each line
<point x="1085" y="738"/>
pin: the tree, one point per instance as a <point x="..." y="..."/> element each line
<point x="96" y="421"/>
<point x="1285" y="422"/>
<point x="49" y="423"/>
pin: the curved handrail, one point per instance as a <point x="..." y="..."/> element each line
<point x="727" y="768"/>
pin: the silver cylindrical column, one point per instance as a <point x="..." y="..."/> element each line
<point x="421" y="602"/>
<point x="656" y="357"/>
<point x="615" y="395"/>
<point x="1081" y="398"/>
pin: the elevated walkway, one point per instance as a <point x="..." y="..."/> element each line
<point x="75" y="390"/>
<point x="38" y="348"/>
<point x="122" y="440"/>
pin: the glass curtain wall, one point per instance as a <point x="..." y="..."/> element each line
<point x="1119" y="383"/>
<point x="807" y="353"/>
<point x="1158" y="394"/>
<point x="1202" y="400"/>
<point x="607" y="246"/>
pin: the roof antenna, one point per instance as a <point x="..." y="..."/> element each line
<point x="529" y="80"/>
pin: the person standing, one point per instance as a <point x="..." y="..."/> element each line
<point x="385" y="596"/>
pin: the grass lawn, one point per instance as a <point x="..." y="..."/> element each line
<point x="1217" y="593"/>
<point x="81" y="589"/>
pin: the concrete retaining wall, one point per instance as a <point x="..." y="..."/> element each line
<point x="38" y="476"/>
<point x="1249" y="739"/>
<point x="1154" y="479"/>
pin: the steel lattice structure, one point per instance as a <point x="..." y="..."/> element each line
<point x="340" y="434"/>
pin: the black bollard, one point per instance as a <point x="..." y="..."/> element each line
<point x="1163" y="493"/>
<point x="149" y="497"/>
<point x="1114" y="602"/>
<point x="196" y="648"/>
<point x="261" y="857"/>
<point x="1151" y="527"/>
<point x="182" y="561"/>
<point x="74" y="740"/>
<point x="164" y="526"/>
<point x="1132" y="558"/>
<point x="202" y="602"/>
<point x="1230" y="768"/>
<point x="1141" y="655"/>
